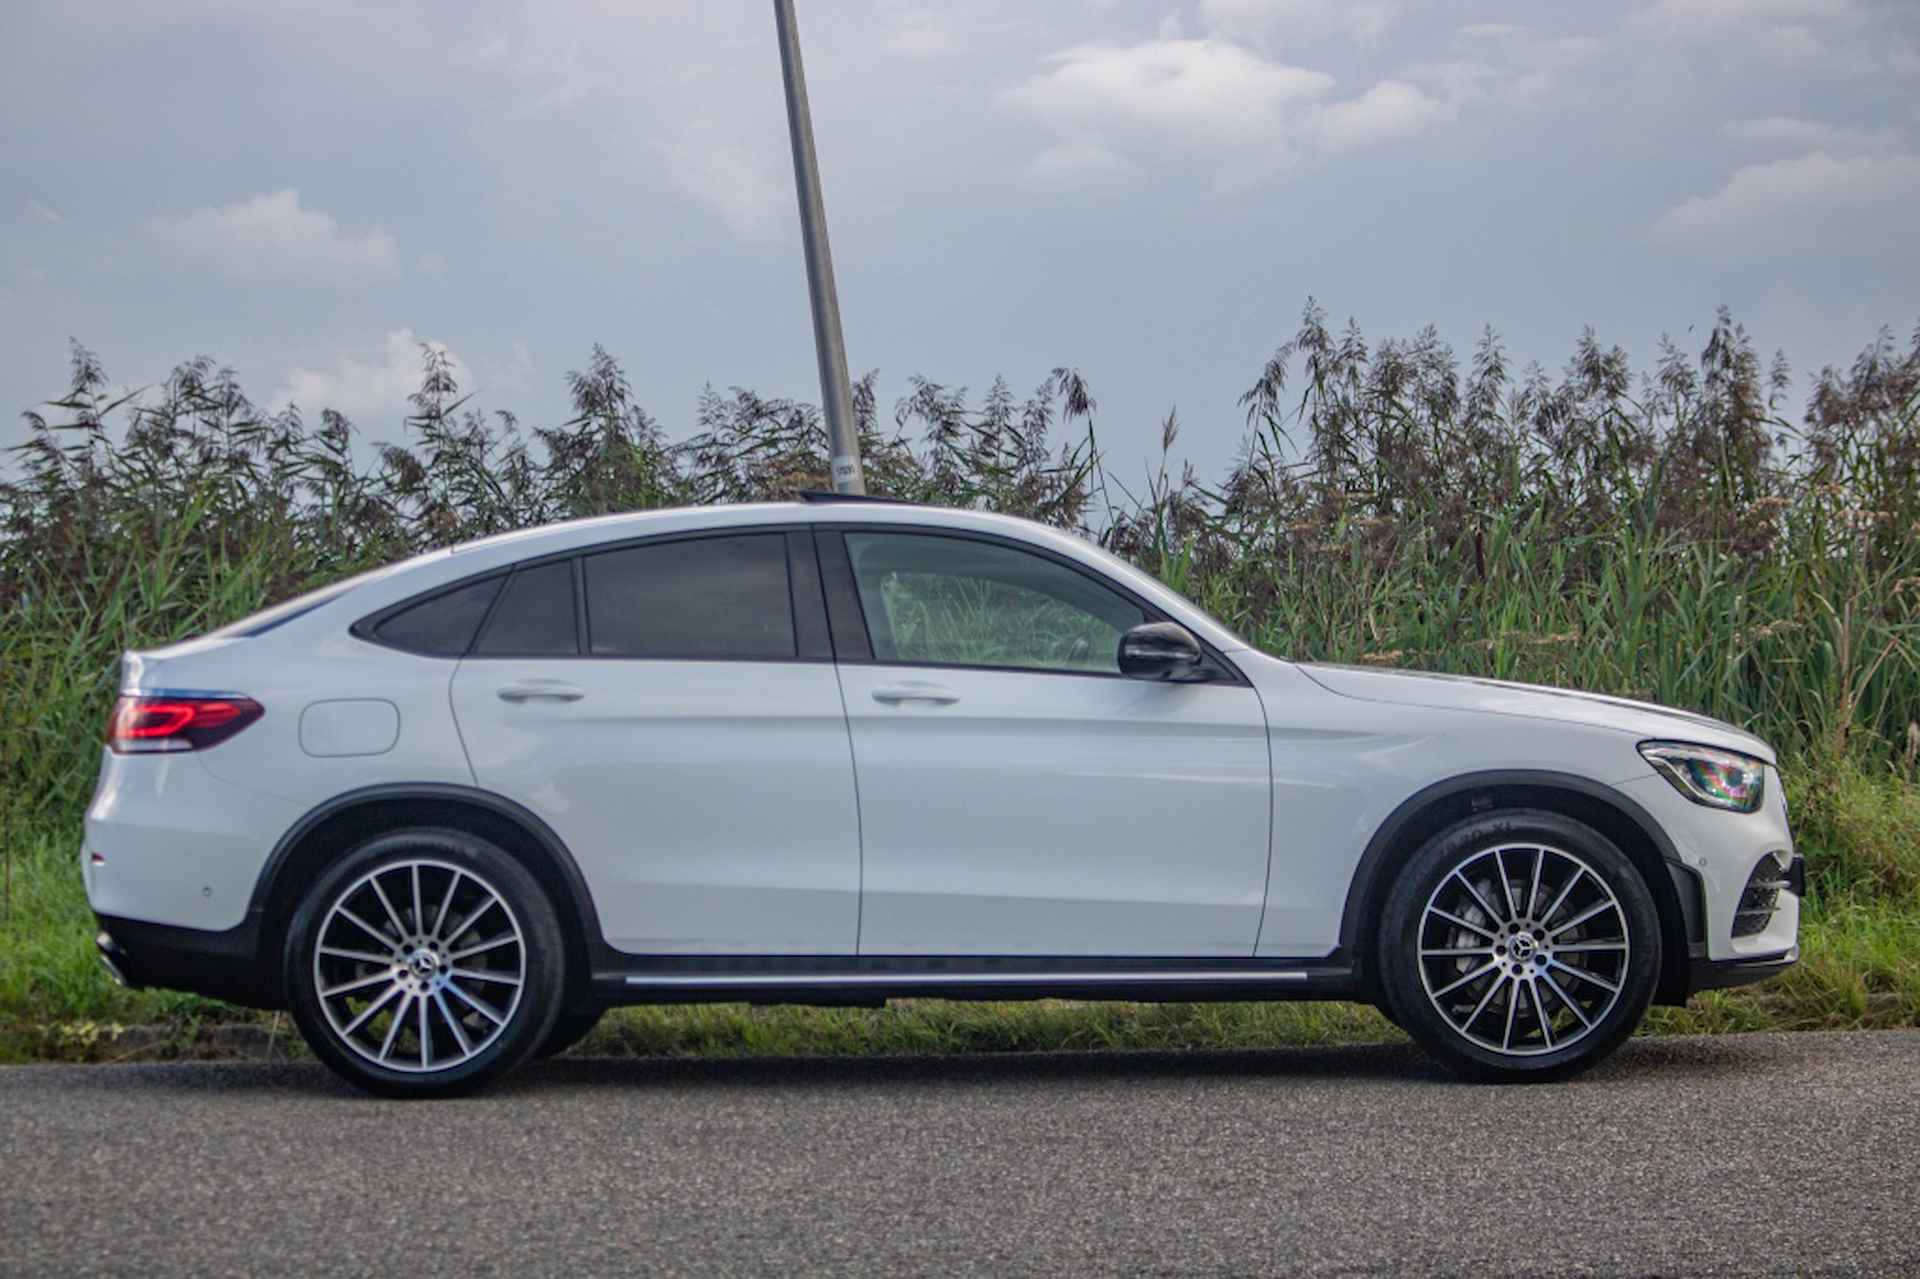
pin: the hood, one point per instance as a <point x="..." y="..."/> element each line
<point x="1499" y="697"/>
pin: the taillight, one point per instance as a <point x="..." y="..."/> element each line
<point x="177" y="723"/>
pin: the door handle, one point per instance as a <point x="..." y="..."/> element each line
<point x="894" y="694"/>
<point x="542" y="690"/>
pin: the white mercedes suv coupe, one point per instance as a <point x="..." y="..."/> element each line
<point x="842" y="751"/>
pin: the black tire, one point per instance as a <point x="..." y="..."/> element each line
<point x="418" y="961"/>
<point x="1541" y="967"/>
<point x="569" y="1028"/>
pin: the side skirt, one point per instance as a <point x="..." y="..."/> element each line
<point x="872" y="980"/>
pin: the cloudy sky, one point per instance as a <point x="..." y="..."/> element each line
<point x="1148" y="191"/>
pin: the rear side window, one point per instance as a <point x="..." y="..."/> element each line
<point x="710" y="597"/>
<point x="535" y="617"/>
<point x="443" y="625"/>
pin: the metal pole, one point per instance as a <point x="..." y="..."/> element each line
<point x="836" y="398"/>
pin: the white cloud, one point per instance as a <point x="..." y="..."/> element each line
<point x="371" y="392"/>
<point x="733" y="182"/>
<point x="1080" y="166"/>
<point x="1288" y="21"/>
<point x="1503" y="63"/>
<point x="1391" y="109"/>
<point x="272" y="236"/>
<point x="1792" y="133"/>
<point x="1204" y="91"/>
<point x="1174" y="100"/>
<point x="432" y="262"/>
<point x="45" y="212"/>
<point x="1817" y="202"/>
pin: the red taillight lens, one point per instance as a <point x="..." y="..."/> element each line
<point x="147" y="724"/>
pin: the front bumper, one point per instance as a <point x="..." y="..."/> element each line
<point x="1718" y="974"/>
<point x="1720" y="853"/>
<point x="220" y="965"/>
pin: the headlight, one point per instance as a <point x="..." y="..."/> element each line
<point x="1718" y="779"/>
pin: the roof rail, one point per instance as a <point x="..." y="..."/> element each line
<point x="817" y="496"/>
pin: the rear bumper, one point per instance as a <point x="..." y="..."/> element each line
<point x="220" y="965"/>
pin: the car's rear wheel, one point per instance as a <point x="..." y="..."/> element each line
<point x="426" y="963"/>
<point x="1519" y="946"/>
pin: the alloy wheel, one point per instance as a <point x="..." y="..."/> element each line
<point x="419" y="965"/>
<point x="1523" y="949"/>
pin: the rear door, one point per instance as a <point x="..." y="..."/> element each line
<point x="670" y="708"/>
<point x="1018" y="795"/>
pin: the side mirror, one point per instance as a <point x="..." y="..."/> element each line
<point x="1162" y="651"/>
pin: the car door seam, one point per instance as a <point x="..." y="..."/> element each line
<point x="859" y="818"/>
<point x="459" y="734"/>
<point x="1266" y="884"/>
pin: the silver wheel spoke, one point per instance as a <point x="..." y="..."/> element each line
<point x="1577" y="1010"/>
<point x="495" y="944"/>
<point x="393" y="1027"/>
<point x="467" y="923"/>
<point x="1506" y="884"/>
<point x="446" y="904"/>
<point x="362" y="984"/>
<point x="1584" y="975"/>
<point x="1522" y="964"/>
<point x="1551" y="911"/>
<point x="358" y="956"/>
<point x="1481" y="971"/>
<point x="1582" y="917"/>
<point x="362" y="925"/>
<point x="426" y="1037"/>
<point x="477" y="1006"/>
<point x="459" y="1031"/>
<point x="1455" y="919"/>
<point x="411" y="978"/>
<point x="372" y="1008"/>
<point x="373" y="881"/>
<point x="1467" y="884"/>
<point x="1493" y="988"/>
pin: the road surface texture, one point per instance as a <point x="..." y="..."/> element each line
<point x="1760" y="1154"/>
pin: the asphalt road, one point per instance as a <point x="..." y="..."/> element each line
<point x="1763" y="1154"/>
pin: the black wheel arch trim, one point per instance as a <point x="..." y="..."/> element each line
<point x="266" y="886"/>
<point x="1365" y="887"/>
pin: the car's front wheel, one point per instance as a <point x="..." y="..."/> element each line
<point x="426" y="963"/>
<point x="1519" y="946"/>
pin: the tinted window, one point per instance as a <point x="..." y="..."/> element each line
<point x="718" y="597"/>
<point x="442" y="626"/>
<point x="535" y="614"/>
<point x="955" y="601"/>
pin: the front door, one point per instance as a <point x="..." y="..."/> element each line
<point x="670" y="709"/>
<point x="1018" y="795"/>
